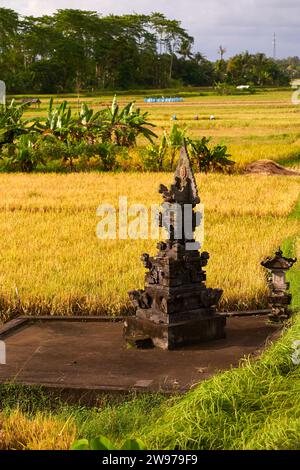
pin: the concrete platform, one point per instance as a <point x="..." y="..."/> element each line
<point x="84" y="357"/>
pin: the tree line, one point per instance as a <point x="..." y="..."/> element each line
<point x="73" y="50"/>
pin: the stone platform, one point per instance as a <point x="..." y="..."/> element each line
<point x="89" y="357"/>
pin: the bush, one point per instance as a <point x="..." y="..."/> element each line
<point x="154" y="156"/>
<point x="69" y="138"/>
<point x="209" y="159"/>
<point x="23" y="155"/>
<point x="222" y="89"/>
<point x="11" y="123"/>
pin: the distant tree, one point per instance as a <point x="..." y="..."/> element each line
<point x="185" y="49"/>
<point x="9" y="25"/>
<point x="197" y="71"/>
<point x="290" y="66"/>
<point x="257" y="69"/>
<point x="222" y="51"/>
<point x="75" y="50"/>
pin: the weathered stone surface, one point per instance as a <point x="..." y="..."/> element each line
<point x="79" y="358"/>
<point x="280" y="299"/>
<point x="176" y="308"/>
<point x="142" y="332"/>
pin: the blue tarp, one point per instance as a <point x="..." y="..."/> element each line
<point x="163" y="100"/>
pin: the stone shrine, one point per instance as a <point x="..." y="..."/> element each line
<point x="279" y="299"/>
<point x="176" y="308"/>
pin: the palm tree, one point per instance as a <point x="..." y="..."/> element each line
<point x="222" y="51"/>
<point x="185" y="49"/>
<point x="199" y="58"/>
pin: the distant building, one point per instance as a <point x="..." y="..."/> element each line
<point x="295" y="84"/>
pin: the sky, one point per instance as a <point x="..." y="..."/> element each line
<point x="237" y="25"/>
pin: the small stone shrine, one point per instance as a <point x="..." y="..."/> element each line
<point x="279" y="299"/>
<point x="176" y="308"/>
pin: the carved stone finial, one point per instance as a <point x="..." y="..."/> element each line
<point x="279" y="262"/>
<point x="184" y="189"/>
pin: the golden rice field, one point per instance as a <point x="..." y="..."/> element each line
<point x="20" y="432"/>
<point x="263" y="125"/>
<point x="52" y="261"/>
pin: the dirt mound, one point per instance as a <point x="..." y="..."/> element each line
<point x="269" y="167"/>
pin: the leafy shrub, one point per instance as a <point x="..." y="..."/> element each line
<point x="175" y="141"/>
<point x="209" y="159"/>
<point x="102" y="443"/>
<point x="222" y="89"/>
<point x="95" y="139"/>
<point x="23" y="154"/>
<point x="122" y="127"/>
<point x="105" y="152"/>
<point x="154" y="156"/>
<point x="11" y="123"/>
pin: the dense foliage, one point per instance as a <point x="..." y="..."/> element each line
<point x="91" y="139"/>
<point x="75" y="50"/>
<point x="26" y="144"/>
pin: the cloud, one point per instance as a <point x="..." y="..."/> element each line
<point x="236" y="24"/>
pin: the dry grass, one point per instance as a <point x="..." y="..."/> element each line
<point x="75" y="193"/>
<point x="43" y="432"/>
<point x="52" y="261"/>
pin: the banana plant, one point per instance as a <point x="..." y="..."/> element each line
<point x="90" y="123"/>
<point x="123" y="126"/>
<point x="209" y="159"/>
<point x="200" y="152"/>
<point x="23" y="155"/>
<point x="156" y="154"/>
<point x="11" y="123"/>
<point x="220" y="159"/>
<point x="59" y="121"/>
<point x="175" y="141"/>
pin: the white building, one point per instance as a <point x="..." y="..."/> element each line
<point x="295" y="84"/>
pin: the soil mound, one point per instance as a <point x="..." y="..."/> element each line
<point x="269" y="167"/>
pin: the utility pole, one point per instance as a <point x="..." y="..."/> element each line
<point x="274" y="46"/>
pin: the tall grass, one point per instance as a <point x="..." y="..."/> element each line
<point x="53" y="263"/>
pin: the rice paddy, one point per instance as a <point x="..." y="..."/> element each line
<point x="51" y="261"/>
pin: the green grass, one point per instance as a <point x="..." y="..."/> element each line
<point x="113" y="417"/>
<point x="253" y="407"/>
